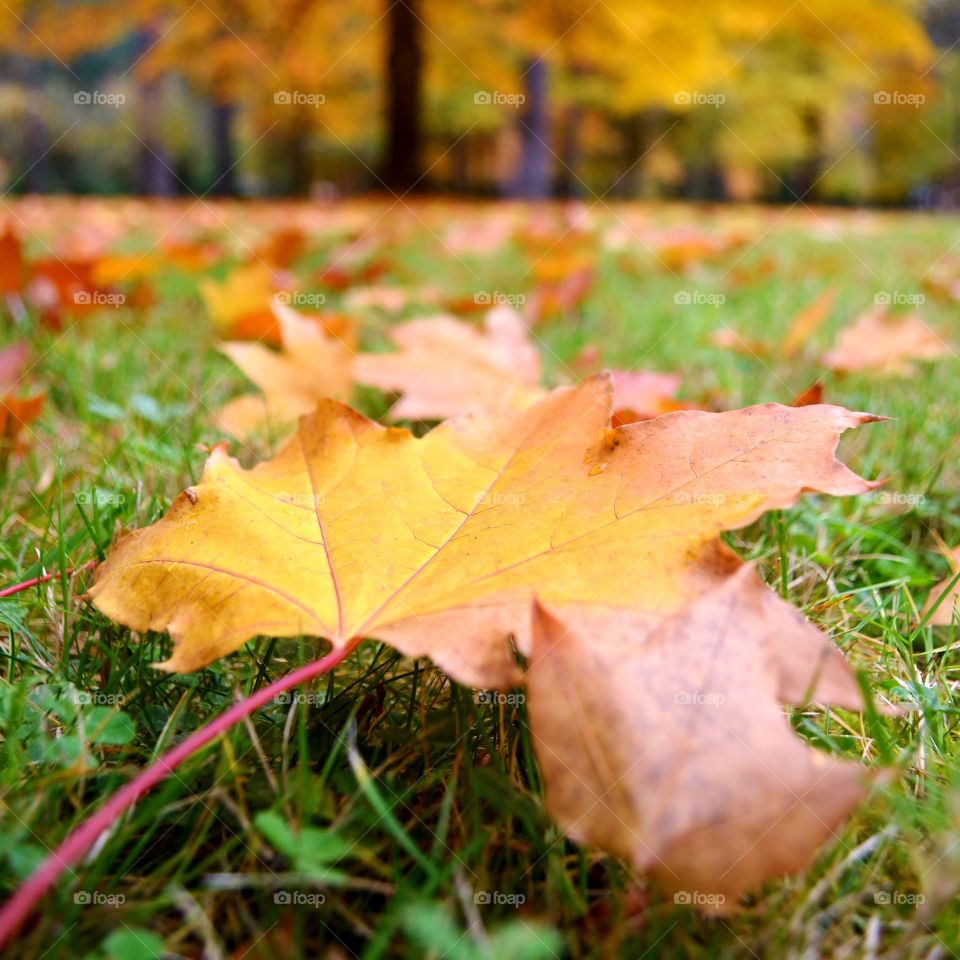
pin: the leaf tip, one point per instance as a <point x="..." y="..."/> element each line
<point x="864" y="417"/>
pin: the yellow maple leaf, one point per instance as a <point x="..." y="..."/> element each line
<point x="595" y="551"/>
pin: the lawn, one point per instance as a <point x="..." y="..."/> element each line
<point x="433" y="790"/>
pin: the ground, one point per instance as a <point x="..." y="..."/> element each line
<point x="440" y="793"/>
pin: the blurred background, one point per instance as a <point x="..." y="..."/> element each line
<point x="832" y="102"/>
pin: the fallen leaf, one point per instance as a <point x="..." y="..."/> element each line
<point x="445" y="501"/>
<point x="806" y="323"/>
<point x="728" y="339"/>
<point x="116" y="268"/>
<point x="465" y="306"/>
<point x="60" y="288"/>
<point x="942" y="281"/>
<point x="12" y="263"/>
<point x="309" y="366"/>
<point x="637" y="394"/>
<point x="283" y="247"/>
<point x="555" y="266"/>
<point x="389" y="299"/>
<point x="439" y="546"/>
<point x="239" y="306"/>
<point x="358" y="261"/>
<point x="747" y="275"/>
<point x="809" y="397"/>
<point x="884" y="343"/>
<point x="16" y="413"/>
<point x="483" y="236"/>
<point x="642" y="394"/>
<point x="944" y="614"/>
<point x="556" y="470"/>
<point x="445" y="367"/>
<point x="668" y="745"/>
<point x="550" y="300"/>
<point x="13" y="361"/>
<point x="192" y="257"/>
<point x="683" y="247"/>
<point x="588" y="361"/>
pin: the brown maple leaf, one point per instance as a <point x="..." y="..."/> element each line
<point x="445" y="367"/>
<point x="884" y="343"/>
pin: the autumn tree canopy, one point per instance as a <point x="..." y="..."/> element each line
<point x="755" y="98"/>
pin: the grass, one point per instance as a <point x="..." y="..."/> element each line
<point x="360" y="817"/>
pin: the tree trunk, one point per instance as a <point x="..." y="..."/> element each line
<point x="640" y="131"/>
<point x="626" y="184"/>
<point x="224" y="176"/>
<point x="298" y="158"/>
<point x="37" y="142"/>
<point x="156" y="167"/>
<point x="704" y="177"/>
<point x="37" y="136"/>
<point x="570" y="186"/>
<point x="705" y="182"/>
<point x="30" y="73"/>
<point x="811" y="167"/>
<point x="460" y="165"/>
<point x="533" y="177"/>
<point x="404" y="76"/>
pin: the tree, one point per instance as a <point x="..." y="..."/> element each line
<point x="404" y="78"/>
